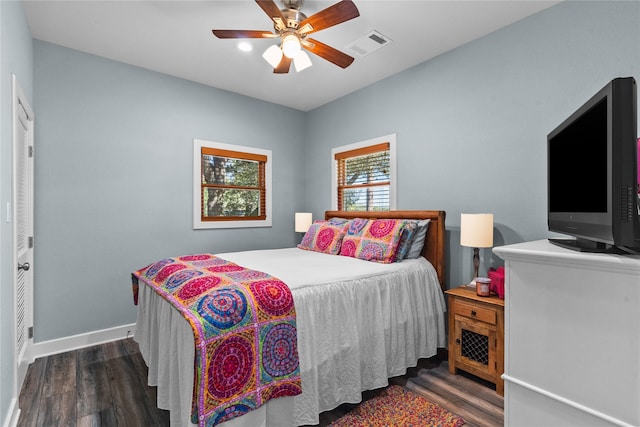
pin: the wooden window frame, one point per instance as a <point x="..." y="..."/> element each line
<point x="360" y="148"/>
<point x="201" y="147"/>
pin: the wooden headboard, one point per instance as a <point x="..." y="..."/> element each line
<point x="434" y="245"/>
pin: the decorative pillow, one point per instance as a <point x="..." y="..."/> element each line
<point x="333" y="221"/>
<point x="356" y="226"/>
<point x="418" y="240"/>
<point x="337" y="221"/>
<point x="323" y="237"/>
<point x="373" y="240"/>
<point x="406" y="238"/>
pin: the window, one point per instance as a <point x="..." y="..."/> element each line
<point x="232" y="186"/>
<point x="364" y="175"/>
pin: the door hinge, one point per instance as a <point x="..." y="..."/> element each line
<point x="31" y="151"/>
<point x="30" y="242"/>
<point x="30" y="332"/>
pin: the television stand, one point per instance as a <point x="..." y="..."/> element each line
<point x="583" y="245"/>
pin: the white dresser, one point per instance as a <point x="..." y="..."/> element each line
<point x="572" y="337"/>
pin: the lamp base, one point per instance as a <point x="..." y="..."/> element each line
<point x="476" y="266"/>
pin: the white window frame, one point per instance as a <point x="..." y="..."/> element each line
<point x="198" y="224"/>
<point x="391" y="139"/>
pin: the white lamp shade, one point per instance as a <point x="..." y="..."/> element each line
<point x="301" y="61"/>
<point x="291" y="45"/>
<point x="303" y="221"/>
<point x="273" y="55"/>
<point x="476" y="230"/>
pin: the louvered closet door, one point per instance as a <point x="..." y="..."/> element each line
<point x="23" y="227"/>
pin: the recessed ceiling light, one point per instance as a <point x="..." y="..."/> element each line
<point x="244" y="46"/>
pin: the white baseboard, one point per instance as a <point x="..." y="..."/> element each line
<point x="74" y="342"/>
<point x="13" y="414"/>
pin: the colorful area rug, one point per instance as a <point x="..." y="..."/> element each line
<point x="397" y="407"/>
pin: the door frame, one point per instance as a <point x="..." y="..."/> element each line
<point x="22" y="361"/>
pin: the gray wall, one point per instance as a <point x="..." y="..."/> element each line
<point x="16" y="57"/>
<point x="114" y="180"/>
<point x="471" y="124"/>
<point x="113" y="154"/>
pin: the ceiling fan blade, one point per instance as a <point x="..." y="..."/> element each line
<point x="243" y="34"/>
<point x="283" y="66"/>
<point x="271" y="9"/>
<point x="327" y="52"/>
<point x="336" y="14"/>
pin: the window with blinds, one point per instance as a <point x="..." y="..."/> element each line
<point x="364" y="178"/>
<point x="232" y="187"/>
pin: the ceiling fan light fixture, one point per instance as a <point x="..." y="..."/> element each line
<point x="291" y="45"/>
<point x="301" y="61"/>
<point x="273" y="55"/>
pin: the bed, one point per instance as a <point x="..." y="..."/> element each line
<point x="358" y="324"/>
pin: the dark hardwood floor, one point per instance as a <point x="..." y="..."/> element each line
<point x="105" y="385"/>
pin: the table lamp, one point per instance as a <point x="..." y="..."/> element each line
<point x="476" y="231"/>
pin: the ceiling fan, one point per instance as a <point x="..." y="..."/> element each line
<point x="292" y="27"/>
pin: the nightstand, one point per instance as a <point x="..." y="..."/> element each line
<point x="476" y="335"/>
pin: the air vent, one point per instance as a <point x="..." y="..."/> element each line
<point x="369" y="43"/>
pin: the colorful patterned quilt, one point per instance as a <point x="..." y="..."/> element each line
<point x="244" y="325"/>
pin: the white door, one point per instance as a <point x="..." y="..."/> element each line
<point x="22" y="230"/>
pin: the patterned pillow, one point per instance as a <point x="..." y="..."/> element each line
<point x="373" y="240"/>
<point x="406" y="239"/>
<point x="332" y="221"/>
<point x="337" y="221"/>
<point x="357" y="226"/>
<point x="323" y="237"/>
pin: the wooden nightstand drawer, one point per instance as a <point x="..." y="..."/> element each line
<point x="483" y="314"/>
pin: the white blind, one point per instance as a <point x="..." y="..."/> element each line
<point x="364" y="178"/>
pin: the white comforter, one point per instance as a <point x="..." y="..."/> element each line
<point x="359" y="323"/>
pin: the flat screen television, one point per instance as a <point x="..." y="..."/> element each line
<point x="592" y="173"/>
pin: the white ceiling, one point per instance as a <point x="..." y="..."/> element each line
<point x="174" y="37"/>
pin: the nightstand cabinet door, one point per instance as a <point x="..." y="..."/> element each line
<point x="475" y="347"/>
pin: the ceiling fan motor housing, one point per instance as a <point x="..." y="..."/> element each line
<point x="292" y="17"/>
